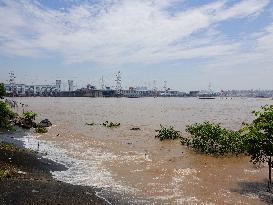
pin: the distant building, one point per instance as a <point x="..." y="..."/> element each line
<point x="137" y="92"/>
<point x="89" y="91"/>
<point x="30" y="90"/>
<point x="108" y="92"/>
<point x="70" y="85"/>
<point x="58" y="85"/>
<point x="91" y="87"/>
<point x="194" y="93"/>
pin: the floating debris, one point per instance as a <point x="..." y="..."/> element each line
<point x="135" y="128"/>
<point x="90" y="124"/>
<point x="110" y="124"/>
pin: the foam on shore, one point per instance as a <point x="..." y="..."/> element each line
<point x="87" y="172"/>
<point x="86" y="169"/>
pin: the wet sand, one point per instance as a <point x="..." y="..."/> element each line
<point x="134" y="164"/>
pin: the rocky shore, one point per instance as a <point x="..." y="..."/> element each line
<point x="25" y="179"/>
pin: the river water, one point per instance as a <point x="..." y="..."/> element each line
<point x="139" y="168"/>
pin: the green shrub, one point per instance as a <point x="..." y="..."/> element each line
<point x="167" y="133"/>
<point x="258" y="138"/>
<point x="2" y="90"/>
<point x="31" y="116"/>
<point x="6" y="115"/>
<point x="210" y="138"/>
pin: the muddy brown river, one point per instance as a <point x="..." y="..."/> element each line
<point x="139" y="168"/>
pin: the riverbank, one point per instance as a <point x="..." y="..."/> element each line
<point x="25" y="178"/>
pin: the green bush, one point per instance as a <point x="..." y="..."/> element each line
<point x="213" y="139"/>
<point x="258" y="137"/>
<point x="2" y="90"/>
<point x="167" y="133"/>
<point x="31" y="116"/>
<point x="6" y="115"/>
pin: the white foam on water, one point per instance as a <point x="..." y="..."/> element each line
<point x="85" y="167"/>
<point x="185" y="172"/>
<point x="224" y="192"/>
<point x="180" y="174"/>
<point x="188" y="200"/>
<point x="251" y="196"/>
<point x="98" y="194"/>
<point x="87" y="170"/>
<point x="251" y="171"/>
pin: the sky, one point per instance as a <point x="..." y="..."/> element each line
<point x="188" y="43"/>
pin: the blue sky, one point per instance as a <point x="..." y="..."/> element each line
<point x="188" y="43"/>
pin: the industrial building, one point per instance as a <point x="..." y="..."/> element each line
<point x="30" y="90"/>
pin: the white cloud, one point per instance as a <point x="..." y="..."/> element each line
<point x="116" y="32"/>
<point x="243" y="9"/>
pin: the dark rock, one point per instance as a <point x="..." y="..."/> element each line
<point x="45" y="123"/>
